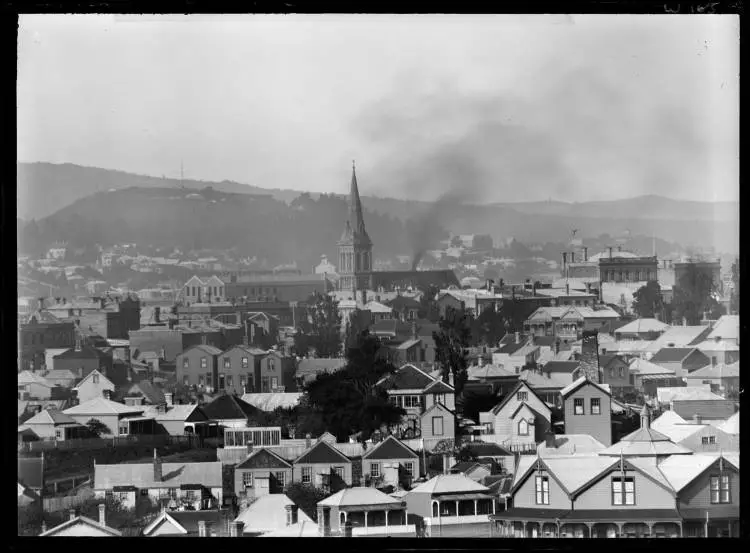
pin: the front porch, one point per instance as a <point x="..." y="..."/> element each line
<point x="367" y="520"/>
<point x="463" y="509"/>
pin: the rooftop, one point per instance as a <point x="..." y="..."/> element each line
<point x="268" y="513"/>
<point x="354" y="497"/>
<point x="141" y="475"/>
<point x="449" y="483"/>
<point x="643" y="325"/>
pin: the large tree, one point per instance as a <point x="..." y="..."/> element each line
<point x="319" y="329"/>
<point x="647" y="301"/>
<point x="451" y="342"/>
<point x="306" y="497"/>
<point x="428" y="307"/>
<point x="694" y="295"/>
<point x="488" y="328"/>
<point x="348" y="401"/>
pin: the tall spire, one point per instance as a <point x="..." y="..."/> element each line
<point x="355" y="224"/>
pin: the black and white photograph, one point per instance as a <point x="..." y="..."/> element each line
<point x="378" y="276"/>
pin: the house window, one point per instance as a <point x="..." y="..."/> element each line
<point x="596" y="408"/>
<point x="720" y="489"/>
<point x="523" y="428"/>
<point x="271" y="365"/>
<point x="144" y="492"/>
<point x="185" y="363"/>
<point x="706" y="440"/>
<point x="578" y="406"/>
<point x="437" y="426"/>
<point x="412" y="401"/>
<point x="222" y="379"/>
<point x="247" y="479"/>
<point x="522" y="396"/>
<point x="280" y="478"/>
<point x="339" y="471"/>
<point x="245" y="363"/>
<point x="274" y="382"/>
<point x="204" y="362"/>
<point x="409" y="469"/>
<point x="306" y="475"/>
<point x="542" y="490"/>
<point x="58" y="434"/>
<point x="191" y="495"/>
<point x="243" y="381"/>
<point x="230" y="382"/>
<point x="374" y="470"/>
<point x="123" y="428"/>
<point x="623" y="490"/>
<point x="227" y="363"/>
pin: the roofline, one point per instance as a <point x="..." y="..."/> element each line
<point x="528" y="472"/>
<point x="374" y="449"/>
<point x="257" y="451"/>
<point x="495" y="410"/>
<point x="85" y="378"/>
<point x="162" y="517"/>
<point x="316" y="444"/>
<point x="85" y="520"/>
<point x="583" y="380"/>
<point x="710" y="465"/>
<point x="436" y="381"/>
<point x="627" y="463"/>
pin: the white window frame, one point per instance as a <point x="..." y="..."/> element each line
<point x="542" y="489"/>
<point x="375" y="470"/>
<point x="248" y="479"/>
<point x="595" y="406"/>
<point x="523" y="427"/>
<point x="306" y="475"/>
<point x="579" y="402"/>
<point x="442" y="426"/>
<point x="204" y="362"/>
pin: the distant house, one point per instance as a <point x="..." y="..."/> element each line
<point x="192" y="524"/>
<point x="146" y="393"/>
<point x="367" y="511"/>
<point x="694" y="435"/>
<point x="198" y="366"/>
<point x="720" y="351"/>
<point x="587" y="410"/>
<point x="390" y="463"/>
<point x="198" y="485"/>
<point x="641" y="329"/>
<point x="450" y="499"/>
<point x="83" y="527"/>
<point x="518" y="421"/>
<point x="417" y="392"/>
<point x="62" y="378"/>
<point x="82" y="360"/>
<point x="649" y="377"/>
<point x="33" y="386"/>
<point x="310" y="367"/>
<point x="438" y="423"/>
<point x="404" y="308"/>
<point x="473" y="469"/>
<point x="615" y="372"/>
<point x="178" y="420"/>
<point x="230" y="411"/>
<point x="716" y="410"/>
<point x="263" y="472"/>
<point x="323" y="466"/>
<point x="276" y="373"/>
<point x="116" y="417"/>
<point x="94" y="385"/>
<point x="682" y="360"/>
<point x="240" y="365"/>
<point x="516" y="355"/>
<point x="54" y="425"/>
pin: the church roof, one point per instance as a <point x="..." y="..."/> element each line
<point x="355" y="231"/>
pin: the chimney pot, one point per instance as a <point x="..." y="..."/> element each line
<point x="697" y="418"/>
<point x="549" y="439"/>
<point x="102" y="519"/>
<point x="202" y="529"/>
<point x="72" y="513"/>
<point x="518" y="337"/>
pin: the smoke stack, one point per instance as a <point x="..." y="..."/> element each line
<point x="697" y="418"/>
<point x="572" y="257"/>
<point x="414" y="330"/>
<point x="157" y="314"/>
<point x="713" y="361"/>
<point x="549" y="439"/>
<point x="564" y="260"/>
<point x="645" y="417"/>
<point x="518" y="337"/>
<point x="102" y="519"/>
<point x="585" y="253"/>
<point x="202" y="532"/>
<point x="204" y="339"/>
<point x="308" y="441"/>
<point x="567" y="289"/>
<point x="610" y="252"/>
<point x="107" y="394"/>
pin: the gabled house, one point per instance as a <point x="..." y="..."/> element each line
<point x="263" y="472"/>
<point x="192" y="524"/>
<point x="519" y="421"/>
<point x="94" y="385"/>
<point x="276" y="514"/>
<point x="682" y="360"/>
<point x="367" y="511"/>
<point x="198" y="366"/>
<point x="83" y="359"/>
<point x="473" y="469"/>
<point x="722" y="378"/>
<point x="179" y="420"/>
<point x="641" y="329"/>
<point x="694" y="435"/>
<point x="52" y="424"/>
<point x="323" y="466"/>
<point x="230" y="411"/>
<point x="587" y="409"/>
<point x="615" y="372"/>
<point x="239" y="365"/>
<point x="198" y="485"/>
<point x="276" y="373"/>
<point x="438" y="423"/>
<point x="144" y="393"/>
<point x="648" y="377"/>
<point x="404" y="308"/>
<point x="390" y="463"/>
<point x="83" y="527"/>
<point x="63" y="378"/>
<point x="547" y="385"/>
<point x="33" y="386"/>
<point x="118" y="419"/>
<point x="416" y="392"/>
<point x="517" y="355"/>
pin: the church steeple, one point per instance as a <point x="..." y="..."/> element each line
<point x="355" y="246"/>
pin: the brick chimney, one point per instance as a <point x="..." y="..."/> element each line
<point x="549" y="439"/>
<point x="564" y="261"/>
<point x="590" y="355"/>
<point x="308" y="441"/>
<point x="107" y="394"/>
<point x="572" y="257"/>
<point x="72" y="514"/>
<point x="202" y="530"/>
<point x="204" y="339"/>
<point x="697" y="418"/>
<point x="291" y="514"/>
<point x="610" y="252"/>
<point x="235" y="529"/>
<point x="645" y="417"/>
<point x="169" y="398"/>
<point x="157" y="314"/>
<point x="414" y="330"/>
<point x="157" y="467"/>
<point x="102" y="518"/>
<point x="518" y="337"/>
<point x="585" y="253"/>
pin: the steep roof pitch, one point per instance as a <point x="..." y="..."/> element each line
<point x="227" y="406"/>
<point x="727" y="328"/>
<point x="583" y="381"/>
<point x="104" y="382"/>
<point x="681" y="470"/>
<point x="439" y="387"/>
<point x="643" y="367"/>
<point x="28" y="377"/>
<point x="521" y="386"/>
<point x="51" y="416"/>
<point x="732" y="424"/>
<point x="322" y="453"/>
<point x="407" y="377"/>
<point x="264" y="458"/>
<point x="81" y="521"/>
<point x="390" y="448"/>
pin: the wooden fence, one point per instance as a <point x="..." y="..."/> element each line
<point x="102" y="443"/>
<point x="54" y="504"/>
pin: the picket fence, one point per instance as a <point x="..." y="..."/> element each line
<point x="102" y="443"/>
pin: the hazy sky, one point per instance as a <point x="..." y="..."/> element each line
<point x="507" y="108"/>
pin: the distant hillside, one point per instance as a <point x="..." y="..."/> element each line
<point x="70" y="190"/>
